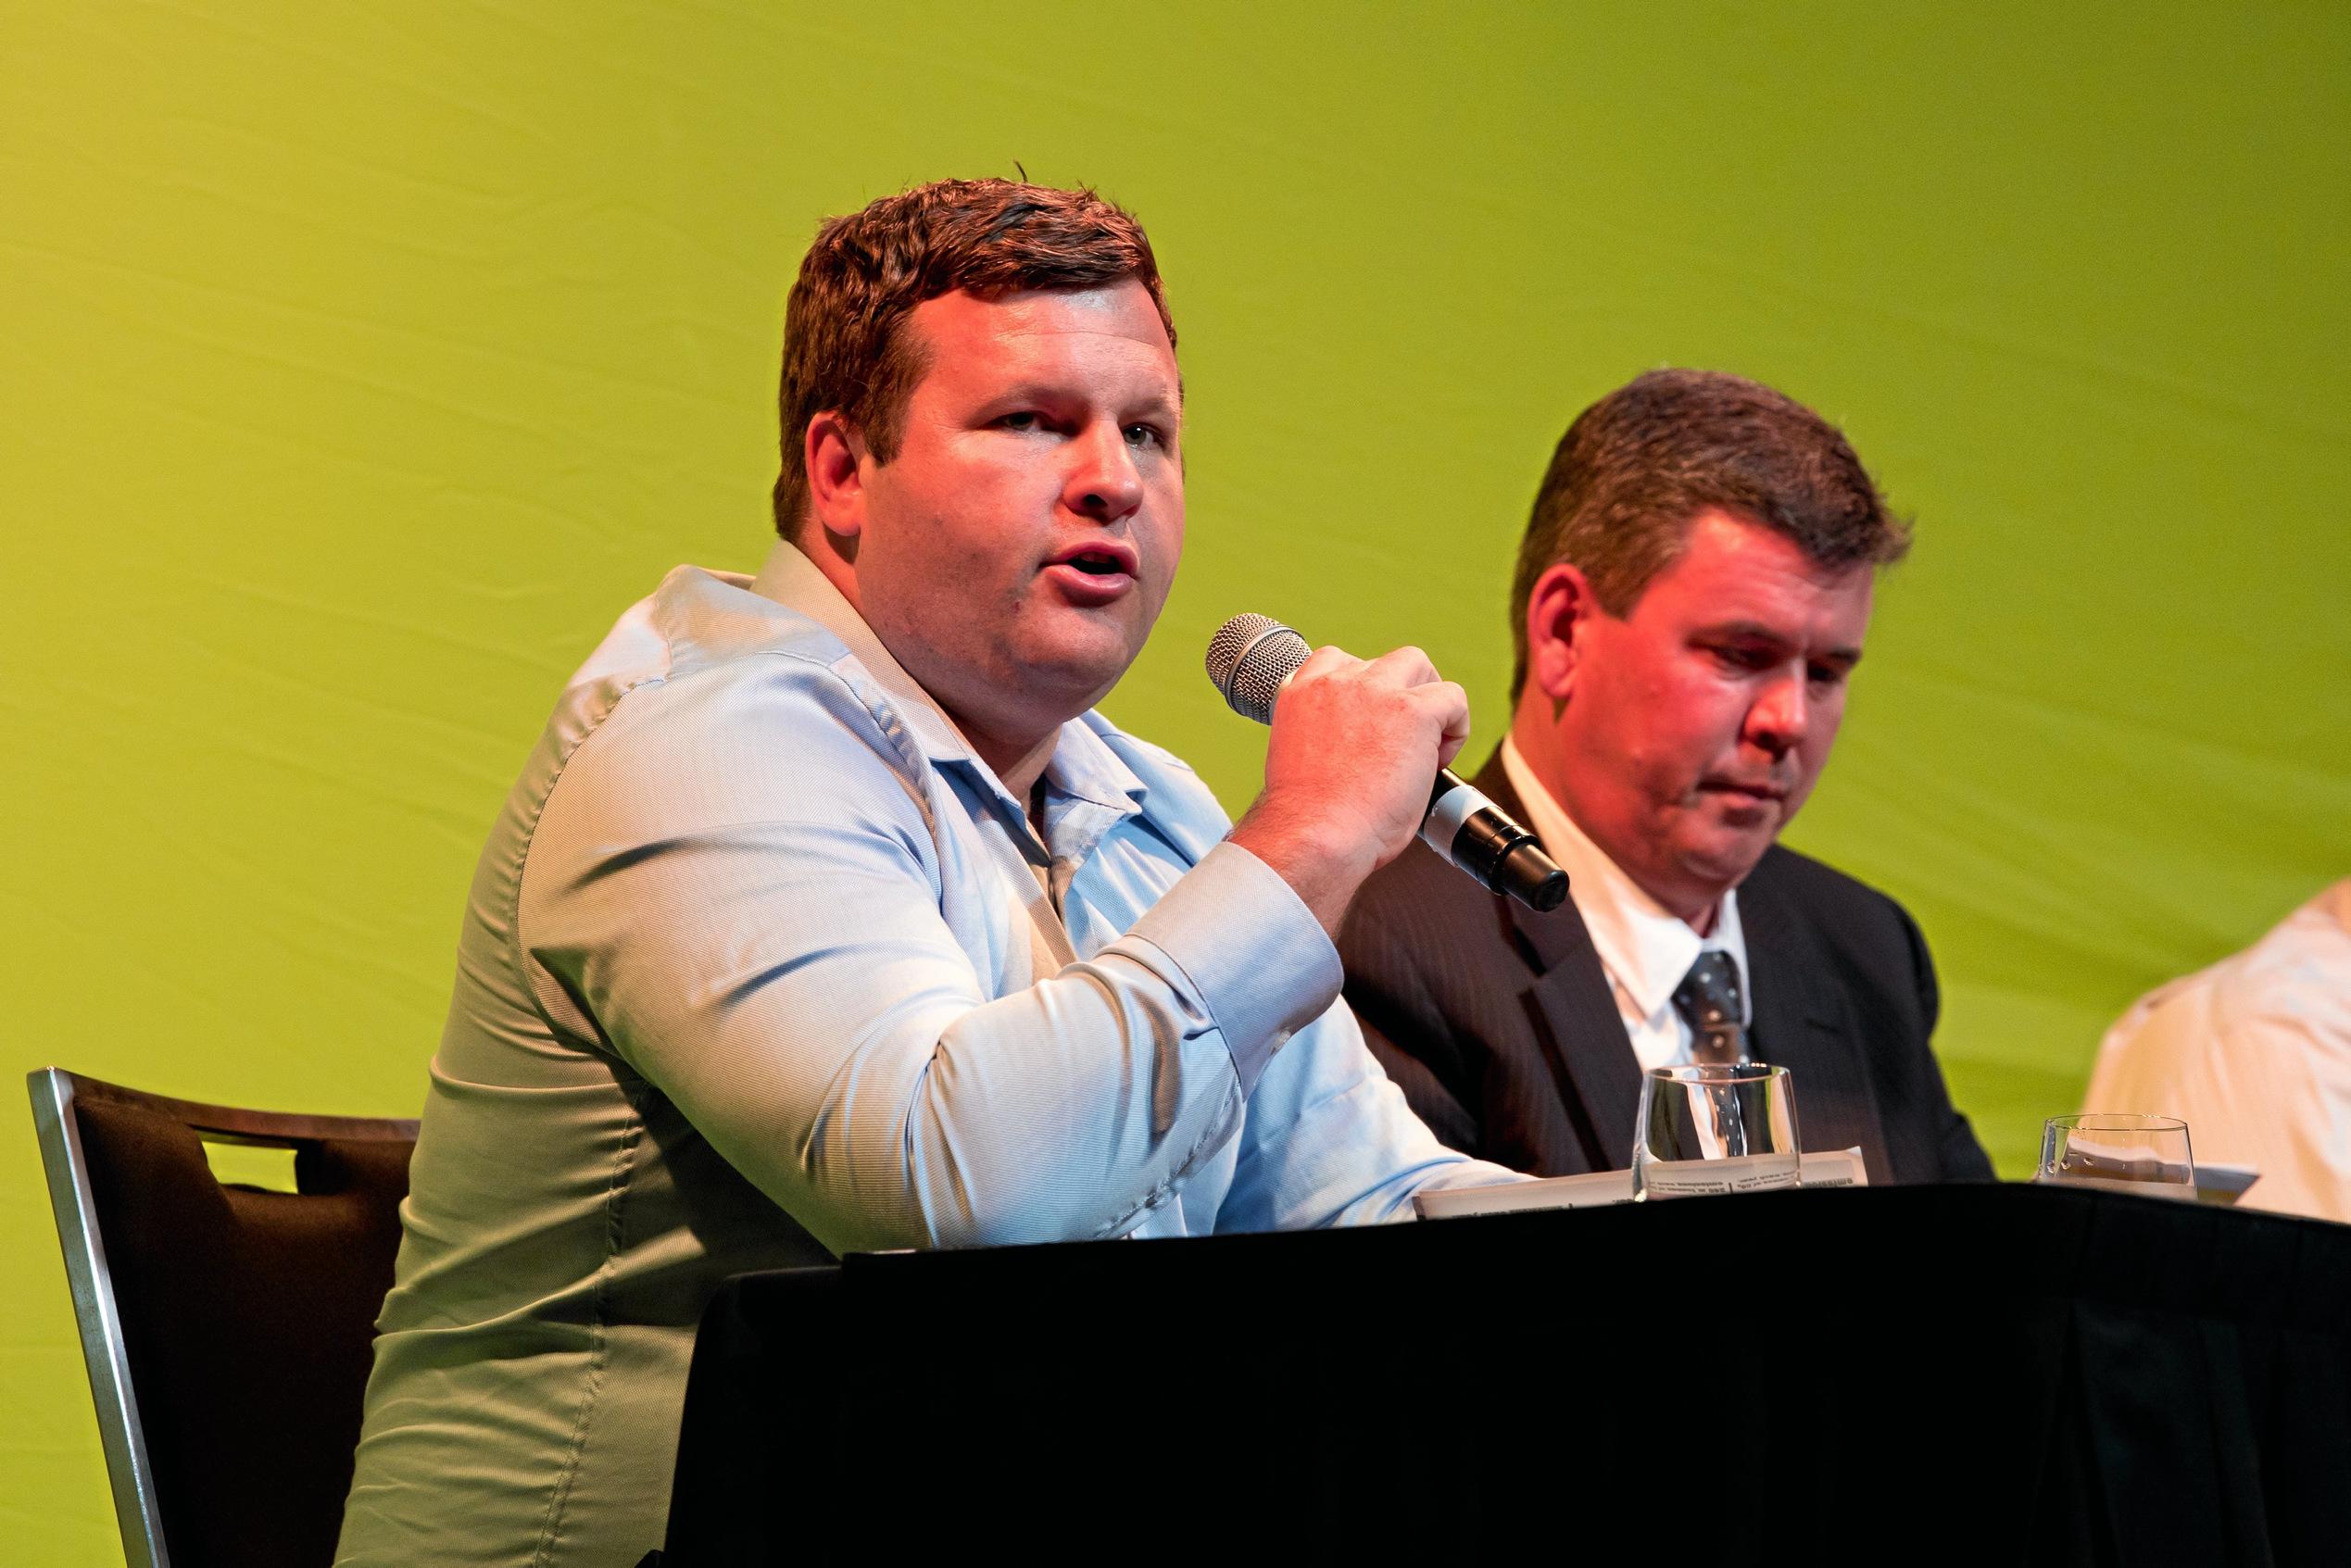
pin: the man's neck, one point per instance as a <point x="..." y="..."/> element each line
<point x="1017" y="767"/>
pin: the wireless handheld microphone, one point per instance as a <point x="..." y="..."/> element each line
<point x="1249" y="658"/>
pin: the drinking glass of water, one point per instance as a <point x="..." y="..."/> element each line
<point x="2119" y="1152"/>
<point x="1707" y="1128"/>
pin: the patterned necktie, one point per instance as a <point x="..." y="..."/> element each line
<point x="1708" y="999"/>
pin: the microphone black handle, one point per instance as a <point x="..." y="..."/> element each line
<point x="1472" y="832"/>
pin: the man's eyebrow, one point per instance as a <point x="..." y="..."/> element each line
<point x="1031" y="391"/>
<point x="1751" y="631"/>
<point x="1755" y="631"/>
<point x="1050" y="392"/>
<point x="1161" y="403"/>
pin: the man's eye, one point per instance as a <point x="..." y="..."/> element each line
<point x="1143" y="435"/>
<point x="1027" y="419"/>
<point x="1827" y="675"/>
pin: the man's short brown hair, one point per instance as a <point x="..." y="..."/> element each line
<point x="1635" y="470"/>
<point x="845" y="348"/>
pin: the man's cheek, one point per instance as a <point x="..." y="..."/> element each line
<point x="1823" y="736"/>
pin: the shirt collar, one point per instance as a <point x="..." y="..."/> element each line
<point x="1083" y="765"/>
<point x="792" y="580"/>
<point x="1646" y="948"/>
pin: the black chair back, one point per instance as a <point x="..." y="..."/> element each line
<point x="227" y="1329"/>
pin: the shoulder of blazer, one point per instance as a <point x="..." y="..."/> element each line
<point x="1820" y="890"/>
<point x="1860" y="927"/>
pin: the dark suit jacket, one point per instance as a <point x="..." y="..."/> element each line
<point x="1499" y="1025"/>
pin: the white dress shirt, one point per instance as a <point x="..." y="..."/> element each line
<point x="1644" y="949"/>
<point x="2255" y="1055"/>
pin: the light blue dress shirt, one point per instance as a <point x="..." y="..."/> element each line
<point x="761" y="965"/>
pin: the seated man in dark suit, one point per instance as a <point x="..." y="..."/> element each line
<point x="1689" y="602"/>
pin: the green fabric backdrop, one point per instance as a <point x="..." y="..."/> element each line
<point x="360" y="366"/>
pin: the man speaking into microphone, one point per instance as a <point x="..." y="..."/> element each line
<point x="829" y="915"/>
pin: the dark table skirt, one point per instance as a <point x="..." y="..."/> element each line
<point x="1957" y="1375"/>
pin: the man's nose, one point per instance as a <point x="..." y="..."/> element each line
<point x="1777" y="720"/>
<point x="1104" y="482"/>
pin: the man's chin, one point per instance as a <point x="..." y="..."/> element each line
<point x="1722" y="857"/>
<point x="1072" y="684"/>
<point x="1084" y="660"/>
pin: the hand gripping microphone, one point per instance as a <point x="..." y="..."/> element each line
<point x="1251" y="658"/>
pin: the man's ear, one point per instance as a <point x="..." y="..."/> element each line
<point x="1559" y="616"/>
<point x="834" y="453"/>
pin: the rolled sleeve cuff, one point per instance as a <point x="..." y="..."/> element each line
<point x="1261" y="962"/>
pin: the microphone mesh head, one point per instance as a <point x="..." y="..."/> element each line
<point x="1249" y="660"/>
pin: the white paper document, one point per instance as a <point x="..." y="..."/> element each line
<point x="2223" y="1184"/>
<point x="1831" y="1168"/>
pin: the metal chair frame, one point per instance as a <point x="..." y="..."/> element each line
<point x="56" y="1094"/>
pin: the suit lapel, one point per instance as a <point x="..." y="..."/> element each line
<point x="1802" y="1021"/>
<point x="1572" y="1012"/>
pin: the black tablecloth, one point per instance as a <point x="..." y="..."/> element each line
<point x="1957" y="1374"/>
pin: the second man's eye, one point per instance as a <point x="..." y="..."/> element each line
<point x="1142" y="435"/>
<point x="1026" y="419"/>
<point x="1746" y="660"/>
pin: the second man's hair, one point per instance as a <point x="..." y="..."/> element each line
<point x="1635" y="470"/>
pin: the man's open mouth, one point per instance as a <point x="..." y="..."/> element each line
<point x="1098" y="563"/>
